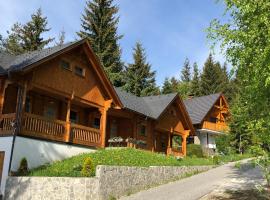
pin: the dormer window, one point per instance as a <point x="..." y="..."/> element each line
<point x="79" y="71"/>
<point x="65" y="65"/>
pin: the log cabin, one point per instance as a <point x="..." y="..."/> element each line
<point x="58" y="102"/>
<point x="209" y="116"/>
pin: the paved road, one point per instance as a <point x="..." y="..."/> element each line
<point x="191" y="188"/>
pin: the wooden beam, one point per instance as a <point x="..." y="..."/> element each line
<point x="4" y="85"/>
<point x="103" y="123"/>
<point x="67" y="127"/>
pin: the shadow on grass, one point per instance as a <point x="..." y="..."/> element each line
<point x="251" y="194"/>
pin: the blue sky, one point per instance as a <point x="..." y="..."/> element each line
<point x="170" y="30"/>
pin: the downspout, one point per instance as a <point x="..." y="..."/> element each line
<point x="17" y="122"/>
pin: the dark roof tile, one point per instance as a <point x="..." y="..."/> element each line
<point x="198" y="107"/>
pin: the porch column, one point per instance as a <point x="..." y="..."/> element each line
<point x="4" y="85"/>
<point x="67" y="128"/>
<point x="169" y="147"/>
<point x="184" y="142"/>
<point x="103" y="124"/>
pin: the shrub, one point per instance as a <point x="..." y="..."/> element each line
<point x="216" y="160"/>
<point x="223" y="144"/>
<point x="88" y="168"/>
<point x="194" y="150"/>
<point x="23" y="169"/>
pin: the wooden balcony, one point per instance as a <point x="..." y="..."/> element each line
<point x="215" y="126"/>
<point x="55" y="130"/>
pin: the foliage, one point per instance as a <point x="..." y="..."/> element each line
<point x="194" y="150"/>
<point x="216" y="159"/>
<point x="185" y="72"/>
<point x="99" y="26"/>
<point x="170" y="85"/>
<point x="245" y="40"/>
<point x="61" y="38"/>
<point x="23" y="168"/>
<point x="223" y="143"/>
<point x="211" y="78"/>
<point x="88" y="168"/>
<point x="27" y="37"/>
<point x="263" y="161"/>
<point x="195" y="82"/>
<point x="140" y="80"/>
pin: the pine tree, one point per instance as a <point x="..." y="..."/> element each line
<point x="186" y="74"/>
<point x="61" y="38"/>
<point x="27" y="37"/>
<point x="211" y="78"/>
<point x="195" y="83"/>
<point x="170" y="85"/>
<point x="140" y="80"/>
<point x="99" y="26"/>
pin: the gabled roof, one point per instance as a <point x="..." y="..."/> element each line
<point x="12" y="63"/>
<point x="151" y="106"/>
<point x="198" y="107"/>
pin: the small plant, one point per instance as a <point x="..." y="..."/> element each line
<point x="216" y="160"/>
<point x="112" y="198"/>
<point x="88" y="168"/>
<point x="23" y="169"/>
<point x="195" y="151"/>
<point x="77" y="167"/>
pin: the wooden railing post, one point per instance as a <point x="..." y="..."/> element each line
<point x="67" y="126"/>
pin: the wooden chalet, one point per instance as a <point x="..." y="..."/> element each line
<point x="209" y="115"/>
<point x="62" y="94"/>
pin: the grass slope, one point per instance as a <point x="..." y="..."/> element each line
<point x="71" y="167"/>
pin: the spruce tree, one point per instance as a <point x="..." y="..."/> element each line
<point x="195" y="83"/>
<point x="211" y="78"/>
<point x="99" y="26"/>
<point x="185" y="73"/>
<point x="27" y="37"/>
<point x="140" y="80"/>
<point x="170" y="85"/>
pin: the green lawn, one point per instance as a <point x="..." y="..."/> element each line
<point x="71" y="167"/>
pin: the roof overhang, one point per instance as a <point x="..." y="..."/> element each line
<point x="210" y="131"/>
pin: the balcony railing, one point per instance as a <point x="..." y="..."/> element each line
<point x="6" y="124"/>
<point x="215" y="126"/>
<point x="57" y="130"/>
<point x="41" y="127"/>
<point x="85" y="135"/>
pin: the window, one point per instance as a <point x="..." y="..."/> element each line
<point x="79" y="71"/>
<point x="143" y="130"/>
<point x="50" y="110"/>
<point x="28" y="105"/>
<point x="213" y="119"/>
<point x="96" y="123"/>
<point x="73" y="117"/>
<point x="177" y="142"/>
<point x="65" y="65"/>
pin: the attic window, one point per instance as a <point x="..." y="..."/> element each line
<point x="65" y="65"/>
<point x="79" y="71"/>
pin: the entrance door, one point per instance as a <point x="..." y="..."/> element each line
<point x="2" y="156"/>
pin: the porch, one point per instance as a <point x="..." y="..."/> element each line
<point x="52" y="117"/>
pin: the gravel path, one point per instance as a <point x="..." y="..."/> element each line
<point x="197" y="186"/>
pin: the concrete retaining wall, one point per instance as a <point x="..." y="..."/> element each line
<point x="5" y="146"/>
<point x="110" y="181"/>
<point x="38" y="152"/>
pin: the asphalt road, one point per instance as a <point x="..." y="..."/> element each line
<point x="190" y="188"/>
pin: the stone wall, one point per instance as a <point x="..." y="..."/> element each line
<point x="110" y="181"/>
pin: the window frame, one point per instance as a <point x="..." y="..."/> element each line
<point x="63" y="61"/>
<point x="82" y="74"/>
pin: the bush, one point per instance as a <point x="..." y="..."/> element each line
<point x="223" y="144"/>
<point x="23" y="169"/>
<point x="88" y="168"/>
<point x="216" y="160"/>
<point x="194" y="150"/>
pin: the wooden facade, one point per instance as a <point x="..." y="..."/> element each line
<point x="2" y="156"/>
<point x="67" y="98"/>
<point x="216" y="119"/>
